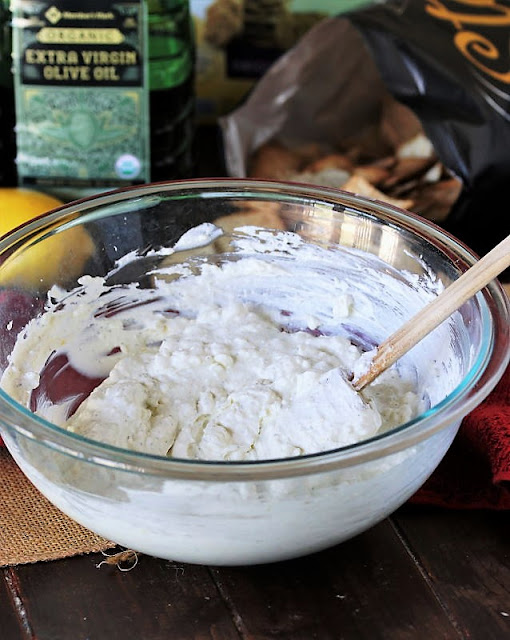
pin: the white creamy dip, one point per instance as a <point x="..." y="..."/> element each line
<point x="235" y="359"/>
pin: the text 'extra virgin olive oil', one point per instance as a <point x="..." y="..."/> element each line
<point x="103" y="93"/>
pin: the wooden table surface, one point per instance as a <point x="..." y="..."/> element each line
<point x="423" y="574"/>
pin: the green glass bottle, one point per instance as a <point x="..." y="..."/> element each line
<point x="103" y="93"/>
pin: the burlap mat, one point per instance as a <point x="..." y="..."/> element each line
<point x="31" y="528"/>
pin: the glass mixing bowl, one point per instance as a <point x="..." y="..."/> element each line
<point x="231" y="513"/>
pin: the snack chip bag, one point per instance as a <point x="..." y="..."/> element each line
<point x="447" y="61"/>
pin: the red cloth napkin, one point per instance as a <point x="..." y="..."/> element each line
<point x="475" y="472"/>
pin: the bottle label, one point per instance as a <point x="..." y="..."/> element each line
<point x="82" y="92"/>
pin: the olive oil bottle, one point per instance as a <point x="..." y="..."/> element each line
<point x="96" y="94"/>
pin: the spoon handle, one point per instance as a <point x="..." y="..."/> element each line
<point x="428" y="318"/>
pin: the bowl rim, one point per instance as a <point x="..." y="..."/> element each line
<point x="483" y="375"/>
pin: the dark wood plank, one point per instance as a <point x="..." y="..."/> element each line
<point x="71" y="599"/>
<point x="368" y="587"/>
<point x="466" y="558"/>
<point x="12" y="619"/>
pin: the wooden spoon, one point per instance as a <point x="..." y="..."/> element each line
<point x="422" y="323"/>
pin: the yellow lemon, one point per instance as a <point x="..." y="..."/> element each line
<point x="21" y="205"/>
<point x="54" y="259"/>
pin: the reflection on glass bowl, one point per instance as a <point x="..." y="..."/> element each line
<point x="242" y="512"/>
